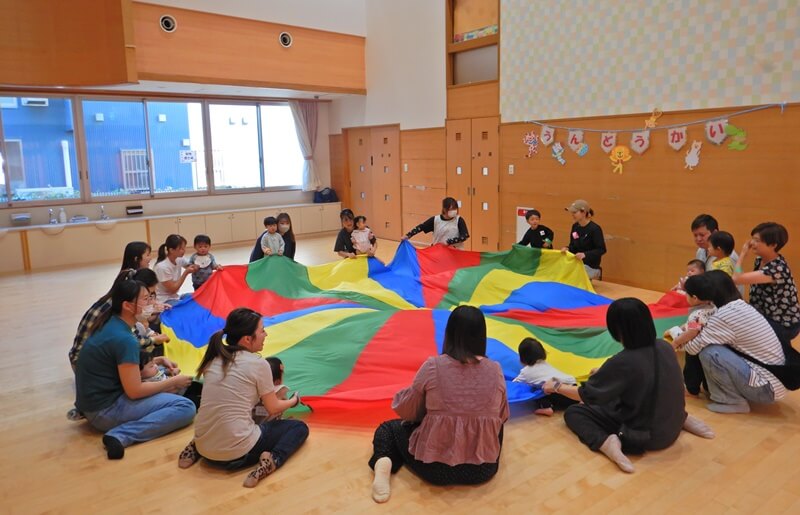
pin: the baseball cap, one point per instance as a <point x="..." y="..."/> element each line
<point x="578" y="205"/>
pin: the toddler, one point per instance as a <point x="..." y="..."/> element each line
<point x="536" y="371"/>
<point x="260" y="413"/>
<point x="272" y="243"/>
<point x="362" y="236"/>
<point x="720" y="246"/>
<point x="206" y="264"/>
<point x="701" y="311"/>
<point x="693" y="267"/>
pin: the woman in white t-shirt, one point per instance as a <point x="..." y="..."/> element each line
<point x="236" y="378"/>
<point x="172" y="269"/>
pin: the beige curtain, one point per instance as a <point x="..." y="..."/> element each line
<point x="305" y="122"/>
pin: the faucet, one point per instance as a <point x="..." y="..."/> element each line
<point x="103" y="215"/>
<point x="53" y="219"/>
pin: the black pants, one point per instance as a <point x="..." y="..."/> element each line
<point x="280" y="437"/>
<point x="785" y="334"/>
<point x="391" y="441"/>
<point x="593" y="425"/>
<point x="693" y="375"/>
<point x="555" y="400"/>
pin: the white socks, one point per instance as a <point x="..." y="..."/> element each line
<point x="380" y="485"/>
<point x="612" y="448"/>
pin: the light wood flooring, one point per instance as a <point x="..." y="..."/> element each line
<point x="49" y="464"/>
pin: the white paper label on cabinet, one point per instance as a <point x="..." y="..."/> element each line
<point x="459" y="204"/>
<point x="510" y="169"/>
<point x="361" y="168"/>
<point x="385" y="169"/>
<point x="485" y="170"/>
<point x="458" y="170"/>
<point x="405" y="167"/>
<point x="363" y="195"/>
<point x="386" y="197"/>
<point x="486" y="206"/>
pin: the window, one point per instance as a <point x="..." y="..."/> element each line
<point x="234" y="136"/>
<point x="283" y="159"/>
<point x="176" y="144"/>
<point x="116" y="148"/>
<point x="39" y="143"/>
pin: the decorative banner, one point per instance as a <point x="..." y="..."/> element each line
<point x="608" y="140"/>
<point x="575" y="139"/>
<point x="738" y="137"/>
<point x="676" y="138"/>
<point x="547" y="136"/>
<point x="651" y="122"/>
<point x="558" y="153"/>
<point x="693" y="155"/>
<point x="715" y="131"/>
<point x="532" y="140"/>
<point x="620" y="154"/>
<point x="640" y="141"/>
<point x="583" y="149"/>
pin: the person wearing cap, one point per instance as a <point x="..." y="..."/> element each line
<point x="586" y="239"/>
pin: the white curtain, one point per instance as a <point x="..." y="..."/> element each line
<point x="305" y="122"/>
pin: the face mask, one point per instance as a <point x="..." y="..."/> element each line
<point x="145" y="314"/>
<point x="452" y="214"/>
<point x="284" y="228"/>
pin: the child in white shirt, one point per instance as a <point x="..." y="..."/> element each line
<point x="272" y="243"/>
<point x="170" y="269"/>
<point x="362" y="236"/>
<point x="537" y="370"/>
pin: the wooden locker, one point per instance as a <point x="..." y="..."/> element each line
<point x="386" y="193"/>
<point x="485" y="220"/>
<point x="358" y="155"/>
<point x="459" y="167"/>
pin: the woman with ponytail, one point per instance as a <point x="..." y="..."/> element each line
<point x="236" y="378"/>
<point x="109" y="389"/>
<point x="172" y="268"/>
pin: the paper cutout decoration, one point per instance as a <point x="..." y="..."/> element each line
<point x="651" y="122"/>
<point x="715" y="131"/>
<point x="547" y="136"/>
<point x="738" y="137"/>
<point x="620" y="154"/>
<point x="608" y="140"/>
<point x="693" y="155"/>
<point x="558" y="153"/>
<point x="583" y="149"/>
<point x="532" y="140"/>
<point x="640" y="141"/>
<point x="575" y="139"/>
<point x="676" y="137"/>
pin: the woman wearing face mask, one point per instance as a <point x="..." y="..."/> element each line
<point x="285" y="229"/>
<point x="448" y="228"/>
<point x="109" y="388"/>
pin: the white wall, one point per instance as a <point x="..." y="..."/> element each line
<point x="406" y="74"/>
<point x="346" y="16"/>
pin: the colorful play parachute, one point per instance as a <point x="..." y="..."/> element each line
<point x="354" y="332"/>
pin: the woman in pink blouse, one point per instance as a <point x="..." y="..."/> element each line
<point x="450" y="429"/>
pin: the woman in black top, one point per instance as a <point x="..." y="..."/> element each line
<point x="285" y="229"/>
<point x="623" y="394"/>
<point x="538" y="236"/>
<point x="344" y="244"/>
<point x="586" y="238"/>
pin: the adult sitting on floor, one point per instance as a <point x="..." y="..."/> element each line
<point x="452" y="415"/>
<point x="236" y="378"/>
<point x="634" y="402"/>
<point x="733" y="381"/>
<point x="109" y="388"/>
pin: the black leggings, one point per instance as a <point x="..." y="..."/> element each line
<point x="391" y="441"/>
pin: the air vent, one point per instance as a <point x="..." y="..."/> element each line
<point x="34" y="102"/>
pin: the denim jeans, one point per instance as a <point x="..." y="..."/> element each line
<point x="131" y="421"/>
<point x="593" y="273"/>
<point x="728" y="375"/>
<point x="280" y="437"/>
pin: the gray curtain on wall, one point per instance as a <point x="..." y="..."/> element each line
<point x="305" y="122"/>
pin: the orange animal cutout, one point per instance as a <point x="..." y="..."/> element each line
<point x="619" y="155"/>
<point x="650" y="123"/>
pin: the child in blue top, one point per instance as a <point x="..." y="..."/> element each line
<point x="206" y="264"/>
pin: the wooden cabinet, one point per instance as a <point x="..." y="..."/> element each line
<point x="473" y="178"/>
<point x="330" y="216"/>
<point x="311" y="219"/>
<point x="230" y="227"/>
<point x="218" y="228"/>
<point x="243" y="226"/>
<point x="360" y="171"/>
<point x="186" y="226"/>
<point x="11" y="258"/>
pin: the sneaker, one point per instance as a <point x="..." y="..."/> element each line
<point x="266" y="466"/>
<point x="75" y="415"/>
<point x="189" y="456"/>
<point x="114" y="447"/>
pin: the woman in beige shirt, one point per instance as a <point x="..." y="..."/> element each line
<point x="236" y="378"/>
<point x="450" y="429"/>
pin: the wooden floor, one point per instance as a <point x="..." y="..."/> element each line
<point x="48" y="464"/>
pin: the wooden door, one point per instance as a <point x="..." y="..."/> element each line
<point x="386" y="205"/>
<point x="358" y="165"/>
<point x="485" y="227"/>
<point x="459" y="167"/>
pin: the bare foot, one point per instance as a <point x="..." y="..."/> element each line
<point x="547" y="412"/>
<point x="612" y="448"/>
<point x="697" y="427"/>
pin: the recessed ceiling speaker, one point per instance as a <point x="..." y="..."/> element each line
<point x="285" y="39"/>
<point x="168" y="23"/>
